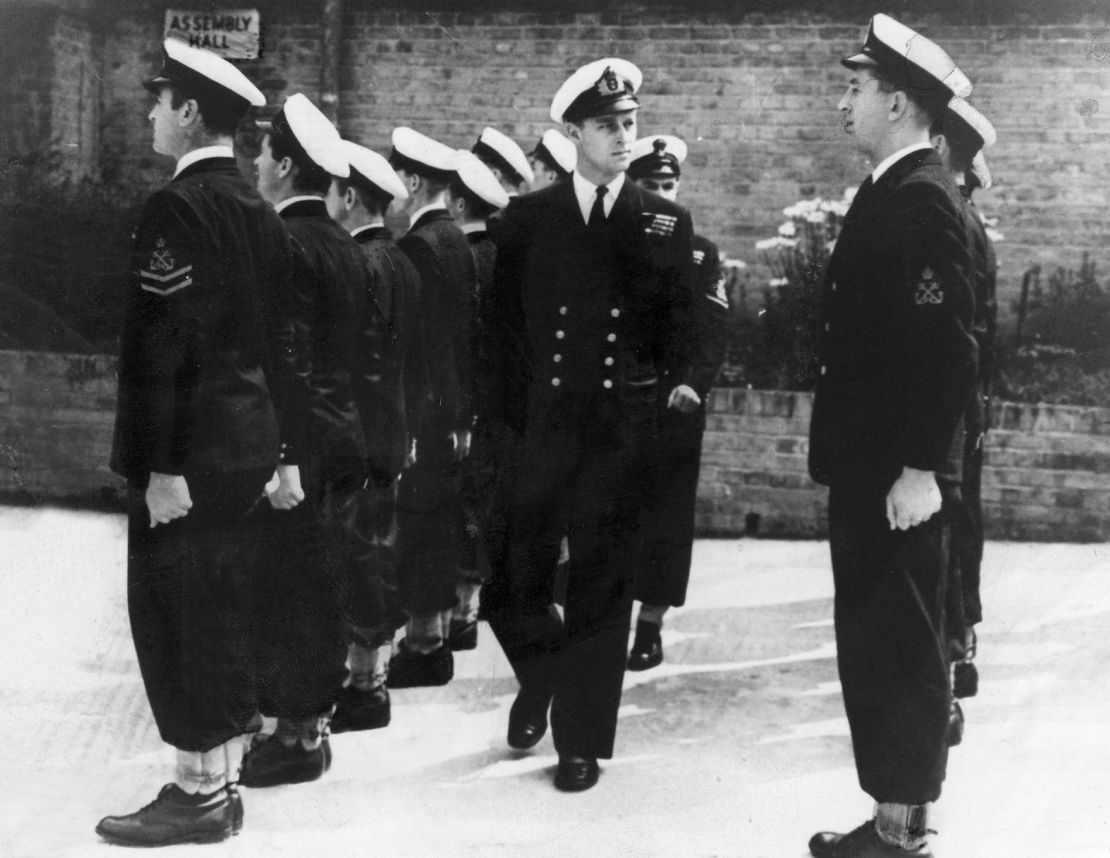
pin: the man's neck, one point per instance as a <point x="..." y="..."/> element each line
<point x="595" y="176"/>
<point x="896" y="142"/>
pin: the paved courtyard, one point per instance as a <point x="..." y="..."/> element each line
<point x="736" y="746"/>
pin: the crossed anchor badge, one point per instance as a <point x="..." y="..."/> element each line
<point x="928" y="290"/>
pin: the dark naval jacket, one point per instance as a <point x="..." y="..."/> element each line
<point x="329" y="279"/>
<point x="210" y="262"/>
<point x="388" y="316"/>
<point x="896" y="356"/>
<point x="441" y="254"/>
<point x="710" y="313"/>
<point x="985" y="277"/>
<point x="581" y="324"/>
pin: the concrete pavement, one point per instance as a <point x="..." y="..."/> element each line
<point x="735" y="746"/>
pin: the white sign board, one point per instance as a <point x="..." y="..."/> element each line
<point x="231" y="33"/>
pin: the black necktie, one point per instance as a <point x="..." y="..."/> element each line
<point x="597" y="213"/>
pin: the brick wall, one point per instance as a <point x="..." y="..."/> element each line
<point x="1048" y="476"/>
<point x="754" y="93"/>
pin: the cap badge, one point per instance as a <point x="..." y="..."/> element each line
<point x="609" y="82"/>
<point x="660" y="146"/>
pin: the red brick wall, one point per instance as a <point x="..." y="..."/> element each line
<point x="755" y="94"/>
<point x="1048" y="474"/>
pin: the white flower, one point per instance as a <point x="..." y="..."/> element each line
<point x="786" y="242"/>
<point x="766" y="243"/>
<point x="816" y="217"/>
<point x="839" y="208"/>
<point x="778" y="281"/>
<point x="994" y="235"/>
<point x="735" y="263"/>
<point x="788" y="229"/>
<point x="850" y="194"/>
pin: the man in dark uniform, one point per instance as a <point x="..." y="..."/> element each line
<point x="197" y="437"/>
<point x="474" y="196"/>
<point x="897" y="362"/>
<point x="553" y="159"/>
<point x="387" y="318"/>
<point x="312" y="544"/>
<point x="664" y="566"/>
<point x="959" y="137"/>
<point x="430" y="515"/>
<point x="588" y="312"/>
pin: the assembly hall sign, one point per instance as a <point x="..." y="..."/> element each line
<point x="231" y="33"/>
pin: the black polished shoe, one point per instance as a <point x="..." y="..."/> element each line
<point x="463" y="635"/>
<point x="955" y="725"/>
<point x="647" y="647"/>
<point x="361" y="710"/>
<point x="862" y="842"/>
<point x="173" y="817"/>
<point x="575" y="774"/>
<point x="965" y="679"/>
<point x="273" y="763"/>
<point x="527" y="719"/>
<point x="412" y="669"/>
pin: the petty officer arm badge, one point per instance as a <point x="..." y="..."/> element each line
<point x="163" y="271"/>
<point x="929" y="289"/>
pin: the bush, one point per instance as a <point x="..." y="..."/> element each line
<point x="63" y="274"/>
<point x="1060" y="353"/>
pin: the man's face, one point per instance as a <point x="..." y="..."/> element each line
<point x="544" y="176"/>
<point x="605" y="142"/>
<point x="168" y="135"/>
<point x="269" y="175"/>
<point x="864" y="110"/>
<point x="665" y="186"/>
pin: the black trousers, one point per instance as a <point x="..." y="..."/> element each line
<point x="663" y="571"/>
<point x="588" y="481"/>
<point x="373" y="605"/>
<point x="890" y="637"/>
<point x="301" y="625"/>
<point x="965" y="607"/>
<point x="190" y="598"/>
<point x="432" y="527"/>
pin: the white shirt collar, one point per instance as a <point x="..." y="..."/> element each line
<point x="586" y="192"/>
<point x="377" y="224"/>
<point x="190" y="158"/>
<point x="299" y="198"/>
<point x="423" y="210"/>
<point x="891" y="160"/>
<point x="474" y="226"/>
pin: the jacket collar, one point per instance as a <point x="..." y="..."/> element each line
<point x="208" y="165"/>
<point x="430" y="216"/>
<point x="304" y="207"/>
<point x="365" y="234"/>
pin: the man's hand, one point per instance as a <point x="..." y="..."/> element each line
<point x="288" y="492"/>
<point x="684" y="398"/>
<point x="167" y="498"/>
<point x="410" y="456"/>
<point x="913" y="499"/>
<point x="460" y="441"/>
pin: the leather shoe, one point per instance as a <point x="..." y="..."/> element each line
<point x="955" y="725"/>
<point x="173" y="817"/>
<point x="862" y="842"/>
<point x="361" y="710"/>
<point x="272" y="763"/>
<point x="965" y="679"/>
<point x="462" y="635"/>
<point x="527" y="720"/>
<point x="412" y="669"/>
<point x="575" y="774"/>
<point x="647" y="647"/>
